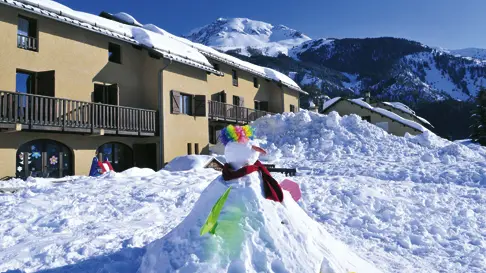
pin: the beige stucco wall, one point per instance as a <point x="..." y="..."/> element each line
<point x="83" y="147"/>
<point x="345" y="107"/>
<point x="180" y="129"/>
<point x="266" y="90"/>
<point x="290" y="97"/>
<point x="79" y="58"/>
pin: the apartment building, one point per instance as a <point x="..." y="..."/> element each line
<point x="75" y="85"/>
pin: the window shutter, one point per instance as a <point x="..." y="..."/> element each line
<point x="112" y="94"/>
<point x="46" y="83"/>
<point x="98" y="93"/>
<point x="242" y="102"/>
<point x="223" y="96"/>
<point x="175" y="101"/>
<point x="200" y="105"/>
<point x="264" y="105"/>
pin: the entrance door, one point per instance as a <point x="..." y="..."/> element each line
<point x="145" y="155"/>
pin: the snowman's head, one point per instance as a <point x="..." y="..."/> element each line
<point x="239" y="150"/>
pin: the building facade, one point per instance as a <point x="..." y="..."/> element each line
<point x="71" y="90"/>
<point x="380" y="117"/>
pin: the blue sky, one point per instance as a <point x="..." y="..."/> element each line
<point x="448" y="23"/>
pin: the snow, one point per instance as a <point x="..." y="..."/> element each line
<point x="188" y="162"/>
<point x="330" y="102"/>
<point x="476" y="53"/>
<point x="243" y="33"/>
<point x="400" y="106"/>
<point x="213" y="53"/>
<point x="253" y="235"/>
<point x="406" y="109"/>
<point x="172" y="48"/>
<point x="405" y="204"/>
<point x="240" y="154"/>
<point x="94" y="224"/>
<point x="125" y="17"/>
<point x="391" y="115"/>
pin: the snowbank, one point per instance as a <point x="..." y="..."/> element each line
<point x="254" y="235"/>
<point x="335" y="145"/>
<point x="94" y="224"/>
<point x="188" y="162"/>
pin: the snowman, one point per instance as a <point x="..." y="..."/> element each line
<point x="236" y="225"/>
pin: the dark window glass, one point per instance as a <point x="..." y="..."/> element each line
<point x="119" y="155"/>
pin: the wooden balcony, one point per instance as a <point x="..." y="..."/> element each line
<point x="20" y="111"/>
<point x="26" y="42"/>
<point x="232" y="113"/>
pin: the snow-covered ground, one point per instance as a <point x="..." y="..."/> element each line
<point x="406" y="204"/>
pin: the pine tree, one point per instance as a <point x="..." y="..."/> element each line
<point x="479" y="119"/>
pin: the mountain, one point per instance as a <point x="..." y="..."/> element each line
<point x="476" y="53"/>
<point x="248" y="37"/>
<point x="392" y="69"/>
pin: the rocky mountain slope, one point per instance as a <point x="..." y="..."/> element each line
<point x="391" y="68"/>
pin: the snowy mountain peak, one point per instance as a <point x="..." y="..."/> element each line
<point x="244" y="35"/>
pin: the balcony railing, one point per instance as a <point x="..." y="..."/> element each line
<point x="26" y="42"/>
<point x="34" y="112"/>
<point x="233" y="113"/>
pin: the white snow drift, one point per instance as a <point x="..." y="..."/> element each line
<point x="406" y="204"/>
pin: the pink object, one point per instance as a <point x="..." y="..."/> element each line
<point x="291" y="187"/>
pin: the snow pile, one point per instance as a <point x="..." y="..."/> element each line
<point x="335" y="145"/>
<point x="94" y="224"/>
<point x="125" y="17"/>
<point x="253" y="235"/>
<point x="188" y="162"/>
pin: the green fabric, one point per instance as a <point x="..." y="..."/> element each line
<point x="211" y="221"/>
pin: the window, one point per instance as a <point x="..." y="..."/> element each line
<point x="37" y="83"/>
<point x="236" y="100"/>
<point x="27" y="33"/>
<point x="189" y="148"/>
<point x="193" y="105"/>
<point x="367" y="118"/>
<point x="255" y="82"/>
<point x="216" y="66"/>
<point x="44" y="158"/>
<point x="106" y="94"/>
<point x="118" y="154"/>
<point x="292" y="108"/>
<point x="196" y="148"/>
<point x="186" y="104"/>
<point x="261" y="105"/>
<point x="383" y="125"/>
<point x="114" y="53"/>
<point x="235" y="78"/>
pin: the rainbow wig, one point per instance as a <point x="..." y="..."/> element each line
<point x="240" y="134"/>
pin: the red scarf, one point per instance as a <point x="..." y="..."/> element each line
<point x="271" y="188"/>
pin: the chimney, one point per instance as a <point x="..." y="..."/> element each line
<point x="368" y="97"/>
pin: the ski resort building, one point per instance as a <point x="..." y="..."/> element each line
<point x="75" y="85"/>
<point x="385" y="119"/>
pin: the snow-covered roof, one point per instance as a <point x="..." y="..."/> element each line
<point x="330" y="102"/>
<point x="209" y="52"/>
<point x="406" y="109"/>
<point x="378" y="110"/>
<point x="389" y="114"/>
<point x="133" y="34"/>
